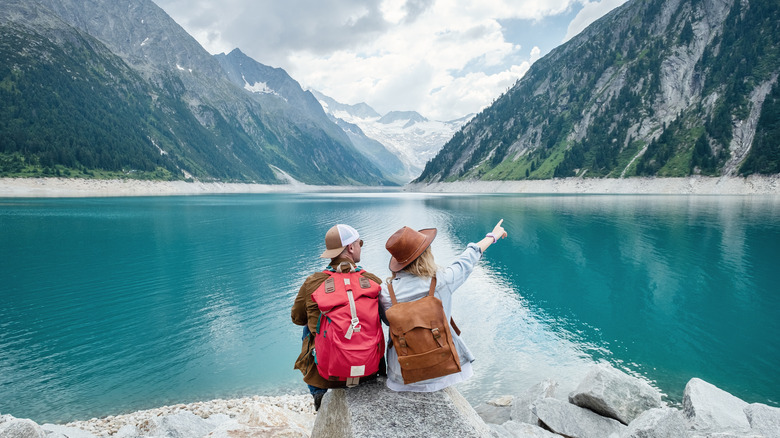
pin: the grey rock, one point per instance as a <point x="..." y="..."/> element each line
<point x="267" y="421"/>
<point x="658" y="423"/>
<point x="503" y="401"/>
<point x="764" y="419"/>
<point x="59" y="431"/>
<point x="575" y="422"/>
<point x="614" y="394"/>
<point x="711" y="409"/>
<point x="521" y="406"/>
<point x="725" y="435"/>
<point x="180" y="425"/>
<point x="353" y="412"/>
<point x="497" y="411"/>
<point x="128" y="431"/>
<point x="514" y="429"/>
<point x="492" y="414"/>
<point x="20" y="428"/>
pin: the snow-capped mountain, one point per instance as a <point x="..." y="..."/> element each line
<point x="411" y="137"/>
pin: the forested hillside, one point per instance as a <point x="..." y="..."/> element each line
<point x="655" y="88"/>
<point x="115" y="88"/>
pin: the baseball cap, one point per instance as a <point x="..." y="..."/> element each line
<point x="337" y="238"/>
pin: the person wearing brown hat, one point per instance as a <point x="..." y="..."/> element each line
<point x="343" y="247"/>
<point x="413" y="267"/>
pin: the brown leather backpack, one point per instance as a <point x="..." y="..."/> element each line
<point x="421" y="337"/>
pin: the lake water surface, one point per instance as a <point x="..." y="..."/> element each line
<point x="111" y="305"/>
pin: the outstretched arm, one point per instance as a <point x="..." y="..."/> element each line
<point x="492" y="237"/>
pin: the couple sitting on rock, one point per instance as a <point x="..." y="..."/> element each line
<point x="341" y="306"/>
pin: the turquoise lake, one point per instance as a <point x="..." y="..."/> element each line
<point x="110" y="305"/>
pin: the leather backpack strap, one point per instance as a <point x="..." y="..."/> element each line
<point x="430" y="293"/>
<point x="392" y="293"/>
<point x="454" y="326"/>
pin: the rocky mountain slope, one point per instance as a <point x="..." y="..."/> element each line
<point x="118" y="88"/>
<point x="411" y="139"/>
<point x="655" y="88"/>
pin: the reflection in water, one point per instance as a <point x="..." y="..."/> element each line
<point x="670" y="287"/>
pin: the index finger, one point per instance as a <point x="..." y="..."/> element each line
<point x="499" y="223"/>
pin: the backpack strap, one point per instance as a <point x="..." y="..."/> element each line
<point x="454" y="326"/>
<point x="392" y="292"/>
<point x="430" y="294"/>
<point x="433" y="286"/>
<point x="354" y="325"/>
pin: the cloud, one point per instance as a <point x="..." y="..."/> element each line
<point x="432" y="64"/>
<point x="271" y="30"/>
<point x="591" y="11"/>
<point x="442" y="58"/>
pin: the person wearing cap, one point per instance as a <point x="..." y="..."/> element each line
<point x="342" y="246"/>
<point x="413" y="266"/>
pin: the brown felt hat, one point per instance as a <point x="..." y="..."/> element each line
<point x="405" y="245"/>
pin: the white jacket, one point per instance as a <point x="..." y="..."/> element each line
<point x="408" y="287"/>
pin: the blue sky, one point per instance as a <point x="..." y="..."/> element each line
<point x="442" y="58"/>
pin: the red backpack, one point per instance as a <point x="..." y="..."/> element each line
<point x="348" y="342"/>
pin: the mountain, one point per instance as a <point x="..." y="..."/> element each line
<point x="118" y="88"/>
<point x="654" y="88"/>
<point x="408" y="136"/>
<point x="375" y="151"/>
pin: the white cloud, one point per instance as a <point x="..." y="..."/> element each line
<point x="441" y="58"/>
<point x="591" y="11"/>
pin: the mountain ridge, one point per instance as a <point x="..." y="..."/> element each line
<point x="190" y="120"/>
<point x="654" y="88"/>
<point x="410" y="137"/>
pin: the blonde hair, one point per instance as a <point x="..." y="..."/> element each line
<point x="422" y="266"/>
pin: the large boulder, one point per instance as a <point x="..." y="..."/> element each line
<point x="763" y="419"/>
<point x="371" y="410"/>
<point x="614" y="394"/>
<point x="514" y="429"/>
<point x="521" y="406"/>
<point x="11" y="427"/>
<point x="711" y="409"/>
<point x="658" y="423"/>
<point x="575" y="422"/>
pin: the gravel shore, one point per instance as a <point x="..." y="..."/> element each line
<point x="293" y="413"/>
<point x="695" y="185"/>
<point x="78" y="188"/>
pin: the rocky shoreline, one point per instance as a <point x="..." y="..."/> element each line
<point x="695" y="185"/>
<point x="607" y="403"/>
<point x="287" y="415"/>
<point x="78" y="188"/>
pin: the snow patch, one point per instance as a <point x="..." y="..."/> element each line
<point x="162" y="152"/>
<point x="260" y="88"/>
